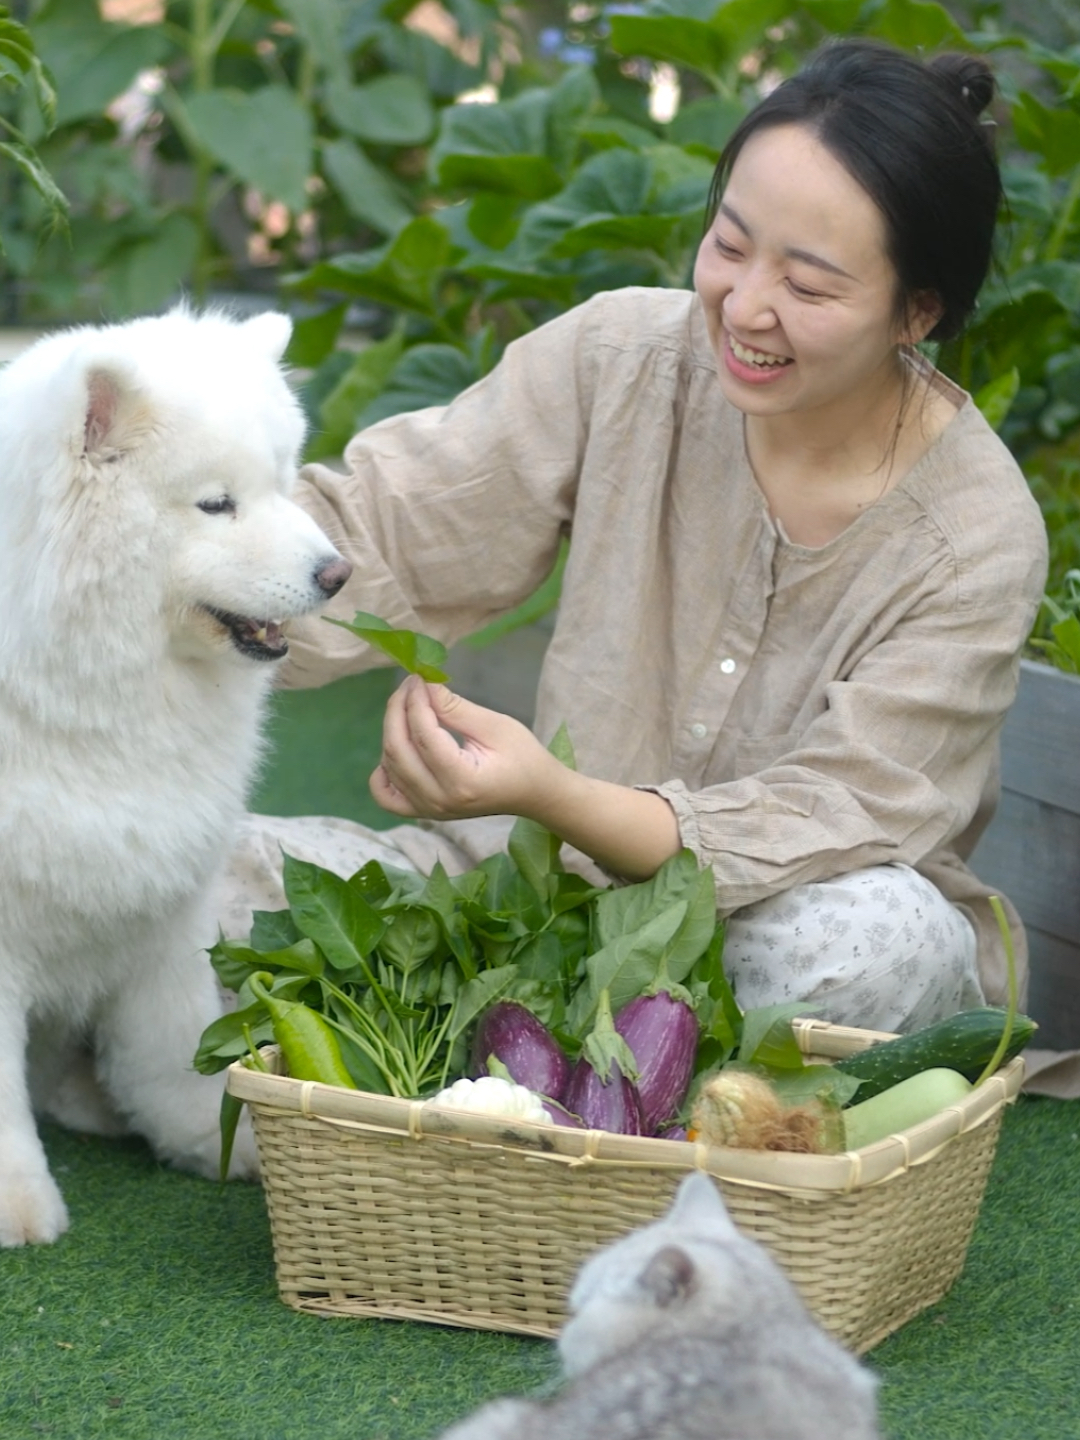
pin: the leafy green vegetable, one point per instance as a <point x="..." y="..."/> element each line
<point x="419" y="654"/>
<point x="1063" y="650"/>
<point x="401" y="967"/>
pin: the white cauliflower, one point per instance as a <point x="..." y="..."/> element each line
<point x="490" y="1095"/>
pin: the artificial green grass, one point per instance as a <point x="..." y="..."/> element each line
<point x="156" y="1317"/>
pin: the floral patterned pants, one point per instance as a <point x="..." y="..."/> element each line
<point x="879" y="948"/>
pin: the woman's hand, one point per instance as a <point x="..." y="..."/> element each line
<point x="498" y="767"/>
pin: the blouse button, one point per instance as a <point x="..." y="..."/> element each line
<point x="727" y="667"/>
<point x="699" y="731"/>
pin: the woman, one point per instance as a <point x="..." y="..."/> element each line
<point x="801" y="573"/>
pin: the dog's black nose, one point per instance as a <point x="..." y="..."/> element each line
<point x="332" y="576"/>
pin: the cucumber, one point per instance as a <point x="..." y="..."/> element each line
<point x="908" y="1103"/>
<point x="963" y="1042"/>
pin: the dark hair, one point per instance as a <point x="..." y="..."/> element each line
<point x="909" y="132"/>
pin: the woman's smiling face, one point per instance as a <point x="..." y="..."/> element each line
<point x="798" y="291"/>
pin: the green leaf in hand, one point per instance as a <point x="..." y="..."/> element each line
<point x="419" y="654"/>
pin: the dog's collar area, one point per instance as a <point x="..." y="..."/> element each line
<point x="257" y="639"/>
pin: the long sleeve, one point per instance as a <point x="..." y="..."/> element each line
<point x="452" y="515"/>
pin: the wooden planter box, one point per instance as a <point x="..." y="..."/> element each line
<point x="1032" y="847"/>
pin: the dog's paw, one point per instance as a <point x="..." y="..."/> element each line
<point x="32" y="1210"/>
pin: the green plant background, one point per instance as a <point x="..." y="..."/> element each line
<point x="317" y="154"/>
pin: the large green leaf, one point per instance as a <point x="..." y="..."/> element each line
<point x="502" y="147"/>
<point x="627" y="967"/>
<point x="314" y="336"/>
<point x="532" y="847"/>
<point x="27" y="163"/>
<point x="402" y="273"/>
<point x="839" y="17"/>
<point x="613" y="183"/>
<point x="441" y="72"/>
<point x="530" y="176"/>
<point x="426" y="375"/>
<point x="20" y="65"/>
<point x="145" y="276"/>
<point x="476" y="995"/>
<point x="1057" y="279"/>
<point x="340" y="411"/>
<point x="621" y="199"/>
<point x="915" y="25"/>
<point x="331" y="912"/>
<point x="263" y="137"/>
<point x="574" y="97"/>
<point x="622" y="232"/>
<point x="768" y="1039"/>
<point x="509" y="127"/>
<point x="318" y="23"/>
<point x="1050" y="132"/>
<point x="706" y="124"/>
<point x="389" y="110"/>
<point x="625" y="908"/>
<point x="743" y="23"/>
<point x="92" y="62"/>
<point x="697" y="44"/>
<point x="996" y="397"/>
<point x="364" y="187"/>
<point x="419" y="654"/>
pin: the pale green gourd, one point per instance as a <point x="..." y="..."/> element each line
<point x="907" y="1103"/>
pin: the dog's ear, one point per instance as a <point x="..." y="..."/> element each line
<point x="115" y="414"/>
<point x="270" y="331"/>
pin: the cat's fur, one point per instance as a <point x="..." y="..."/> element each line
<point x="688" y="1330"/>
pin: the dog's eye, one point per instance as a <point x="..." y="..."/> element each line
<point x="222" y="505"/>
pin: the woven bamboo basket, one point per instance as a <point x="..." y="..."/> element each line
<point x="386" y="1207"/>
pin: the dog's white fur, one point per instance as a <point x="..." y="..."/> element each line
<point x="129" y="718"/>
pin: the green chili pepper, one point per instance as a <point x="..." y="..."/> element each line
<point x="307" y="1041"/>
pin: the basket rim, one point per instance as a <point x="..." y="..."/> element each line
<point x="853" y="1170"/>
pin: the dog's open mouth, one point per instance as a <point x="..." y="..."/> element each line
<point x="257" y="639"/>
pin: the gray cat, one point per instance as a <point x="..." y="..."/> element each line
<point x="688" y="1330"/>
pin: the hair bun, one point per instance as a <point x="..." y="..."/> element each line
<point x="970" y="76"/>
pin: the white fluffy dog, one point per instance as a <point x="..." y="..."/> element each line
<point x="149" y="554"/>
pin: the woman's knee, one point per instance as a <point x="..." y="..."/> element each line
<point x="879" y="948"/>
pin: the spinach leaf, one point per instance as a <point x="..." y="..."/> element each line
<point x="419" y="654"/>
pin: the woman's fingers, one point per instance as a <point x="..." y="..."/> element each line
<point x="421" y="761"/>
<point x="426" y="770"/>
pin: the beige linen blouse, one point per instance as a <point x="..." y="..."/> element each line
<point x="805" y="711"/>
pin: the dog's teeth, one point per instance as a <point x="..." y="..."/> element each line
<point x="260" y="634"/>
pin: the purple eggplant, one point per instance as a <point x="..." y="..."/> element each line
<point x="663" y="1034"/>
<point x="611" y="1105"/>
<point x="673" y="1132"/>
<point x="524" y="1045"/>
